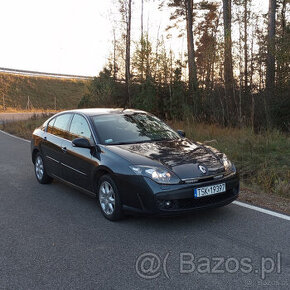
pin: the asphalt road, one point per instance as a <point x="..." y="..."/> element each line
<point x="54" y="237"/>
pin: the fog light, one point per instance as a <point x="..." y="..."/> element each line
<point x="166" y="204"/>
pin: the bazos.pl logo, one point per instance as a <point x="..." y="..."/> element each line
<point x="150" y="265"/>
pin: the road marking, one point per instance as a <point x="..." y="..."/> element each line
<point x="19" y="138"/>
<point x="266" y="211"/>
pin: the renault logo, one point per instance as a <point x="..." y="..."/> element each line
<point x="202" y="169"/>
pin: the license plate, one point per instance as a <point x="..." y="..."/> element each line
<point x="209" y="190"/>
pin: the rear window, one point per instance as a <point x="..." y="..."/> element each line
<point x="50" y="126"/>
<point x="61" y="125"/>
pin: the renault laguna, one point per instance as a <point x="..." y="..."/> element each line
<point x="132" y="162"/>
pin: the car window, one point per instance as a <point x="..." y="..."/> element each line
<point x="43" y="126"/>
<point x="79" y="128"/>
<point x="50" y="126"/>
<point x="61" y="125"/>
<point x="131" y="128"/>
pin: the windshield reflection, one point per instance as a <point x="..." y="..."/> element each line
<point x="116" y="129"/>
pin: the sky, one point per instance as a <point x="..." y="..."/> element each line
<point x="71" y="36"/>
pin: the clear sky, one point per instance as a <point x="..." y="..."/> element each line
<point x="69" y="36"/>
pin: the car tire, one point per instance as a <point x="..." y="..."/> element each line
<point x="109" y="198"/>
<point x="40" y="171"/>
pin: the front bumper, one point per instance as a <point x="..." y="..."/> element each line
<point x="154" y="199"/>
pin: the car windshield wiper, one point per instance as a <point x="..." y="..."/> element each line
<point x="161" y="139"/>
<point x="143" y="141"/>
<point x="124" y="143"/>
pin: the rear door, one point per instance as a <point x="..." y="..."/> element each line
<point x="78" y="163"/>
<point x="56" y="134"/>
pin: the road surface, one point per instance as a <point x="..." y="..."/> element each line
<point x="53" y="236"/>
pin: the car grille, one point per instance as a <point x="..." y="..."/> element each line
<point x="191" y="203"/>
<point x="206" y="178"/>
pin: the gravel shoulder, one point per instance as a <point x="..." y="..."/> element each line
<point x="268" y="201"/>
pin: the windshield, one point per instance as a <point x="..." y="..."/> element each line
<point x="131" y="128"/>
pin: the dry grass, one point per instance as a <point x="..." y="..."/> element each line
<point x="19" y="110"/>
<point x="25" y="128"/>
<point x="41" y="91"/>
<point x="263" y="160"/>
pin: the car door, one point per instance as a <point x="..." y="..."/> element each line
<point x="51" y="147"/>
<point x="78" y="162"/>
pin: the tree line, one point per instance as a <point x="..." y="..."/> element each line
<point x="235" y="70"/>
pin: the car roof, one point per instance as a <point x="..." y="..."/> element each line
<point x="104" y="111"/>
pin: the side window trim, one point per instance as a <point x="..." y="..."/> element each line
<point x="70" y="122"/>
<point x="91" y="129"/>
<point x="93" y="132"/>
<point x="69" y="127"/>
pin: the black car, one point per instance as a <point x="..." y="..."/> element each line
<point x="132" y="162"/>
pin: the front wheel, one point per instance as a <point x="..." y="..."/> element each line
<point x="40" y="172"/>
<point x="109" y="199"/>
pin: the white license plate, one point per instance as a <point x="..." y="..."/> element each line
<point x="209" y="190"/>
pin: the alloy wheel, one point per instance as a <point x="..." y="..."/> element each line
<point x="107" y="198"/>
<point x="39" y="168"/>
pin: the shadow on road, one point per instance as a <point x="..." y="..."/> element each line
<point x="193" y="219"/>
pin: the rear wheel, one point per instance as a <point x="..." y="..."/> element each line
<point x="40" y="172"/>
<point x="109" y="199"/>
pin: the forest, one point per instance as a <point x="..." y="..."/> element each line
<point x="233" y="72"/>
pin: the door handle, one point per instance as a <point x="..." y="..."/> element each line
<point x="63" y="149"/>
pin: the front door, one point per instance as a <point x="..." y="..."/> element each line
<point x="77" y="162"/>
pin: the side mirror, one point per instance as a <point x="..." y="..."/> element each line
<point x="81" y="142"/>
<point x="181" y="133"/>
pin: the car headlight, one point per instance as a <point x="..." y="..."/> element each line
<point x="227" y="163"/>
<point x="157" y="174"/>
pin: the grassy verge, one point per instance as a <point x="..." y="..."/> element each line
<point x="24" y="128"/>
<point x="262" y="159"/>
<point x="44" y="92"/>
<point x="19" y="110"/>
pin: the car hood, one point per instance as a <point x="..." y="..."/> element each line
<point x="181" y="156"/>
